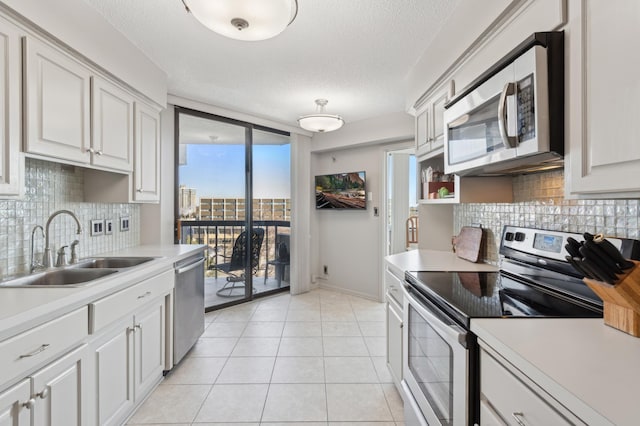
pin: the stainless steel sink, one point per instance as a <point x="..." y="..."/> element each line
<point x="111" y="262"/>
<point x="69" y="277"/>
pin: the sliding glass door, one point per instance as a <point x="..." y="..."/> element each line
<point x="221" y="163"/>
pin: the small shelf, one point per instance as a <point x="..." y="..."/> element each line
<point x="464" y="189"/>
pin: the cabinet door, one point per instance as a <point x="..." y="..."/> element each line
<point x="149" y="347"/>
<point x="11" y="162"/>
<point x="394" y="341"/>
<point x="112" y="130"/>
<point x="57" y="96"/>
<point x="438" y="121"/>
<point x="60" y="390"/>
<point x="114" y="374"/>
<point x="13" y="412"/>
<point x="604" y="86"/>
<point x="423" y="131"/>
<point x="147" y="154"/>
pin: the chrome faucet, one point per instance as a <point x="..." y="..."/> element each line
<point x="46" y="259"/>
<point x="34" y="264"/>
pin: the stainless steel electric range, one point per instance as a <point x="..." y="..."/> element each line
<point x="440" y="364"/>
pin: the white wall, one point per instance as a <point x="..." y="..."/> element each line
<point x="388" y="128"/>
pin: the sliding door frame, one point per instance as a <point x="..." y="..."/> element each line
<point x="248" y="172"/>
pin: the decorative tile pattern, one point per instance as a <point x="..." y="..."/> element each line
<point x="50" y="187"/>
<point x="539" y="202"/>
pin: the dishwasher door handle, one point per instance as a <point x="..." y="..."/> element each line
<point x="189" y="267"/>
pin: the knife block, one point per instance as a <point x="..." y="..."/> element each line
<point x="621" y="301"/>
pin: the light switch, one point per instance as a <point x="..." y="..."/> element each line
<point x="124" y="223"/>
<point x="108" y="226"/>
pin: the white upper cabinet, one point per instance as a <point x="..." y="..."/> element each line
<point x="603" y="86"/>
<point x="430" y="120"/>
<point x="147" y="154"/>
<point x="11" y="161"/>
<point x="112" y="126"/>
<point x="75" y="115"/>
<point x="57" y="95"/>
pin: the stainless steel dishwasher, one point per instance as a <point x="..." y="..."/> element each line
<point x="188" y="312"/>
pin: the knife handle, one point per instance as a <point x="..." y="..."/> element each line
<point x="593" y="263"/>
<point x="612" y="252"/>
<point x="604" y="258"/>
<point x="574" y="261"/>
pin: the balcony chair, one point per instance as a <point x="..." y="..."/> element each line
<point x="411" y="232"/>
<point x="235" y="268"/>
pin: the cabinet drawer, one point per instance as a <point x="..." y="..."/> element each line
<point x="393" y="285"/>
<point x="512" y="398"/>
<point x="21" y="353"/>
<point x="111" y="308"/>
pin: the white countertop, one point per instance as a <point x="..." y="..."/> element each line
<point x="24" y="308"/>
<point x="434" y="260"/>
<point x="590" y="368"/>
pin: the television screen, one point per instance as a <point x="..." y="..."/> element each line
<point x="341" y="191"/>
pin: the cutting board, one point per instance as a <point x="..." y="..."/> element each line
<point x="468" y="243"/>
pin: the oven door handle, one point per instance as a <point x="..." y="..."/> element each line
<point x="425" y="308"/>
<point x="509" y="90"/>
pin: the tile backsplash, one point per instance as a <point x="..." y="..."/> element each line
<point x="539" y="202"/>
<point x="50" y="187"/>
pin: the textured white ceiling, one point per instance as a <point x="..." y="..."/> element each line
<point x="355" y="53"/>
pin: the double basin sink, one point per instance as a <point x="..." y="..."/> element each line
<point x="77" y="274"/>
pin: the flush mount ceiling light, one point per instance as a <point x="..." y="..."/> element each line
<point x="247" y="20"/>
<point x="320" y="122"/>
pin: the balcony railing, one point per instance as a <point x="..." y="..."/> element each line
<point x="220" y="235"/>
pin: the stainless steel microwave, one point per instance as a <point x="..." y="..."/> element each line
<point x="511" y="118"/>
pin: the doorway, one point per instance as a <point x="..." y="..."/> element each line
<point x="233" y="195"/>
<point x="401" y="201"/>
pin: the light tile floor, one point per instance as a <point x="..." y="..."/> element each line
<point x="316" y="359"/>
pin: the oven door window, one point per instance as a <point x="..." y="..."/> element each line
<point x="431" y="364"/>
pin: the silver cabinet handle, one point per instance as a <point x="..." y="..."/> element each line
<point x="99" y="153"/>
<point x="509" y="141"/>
<point x="42" y="348"/>
<point x="43" y="393"/>
<point x="139" y="190"/>
<point x="137" y="327"/>
<point x="519" y="418"/>
<point x="142" y="296"/>
<point x="29" y="404"/>
<point x="89" y="150"/>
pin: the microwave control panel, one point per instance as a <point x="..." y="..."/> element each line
<point x="526" y="109"/>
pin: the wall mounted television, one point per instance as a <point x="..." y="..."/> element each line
<point x="341" y="191"/>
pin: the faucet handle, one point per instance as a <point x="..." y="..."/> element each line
<point x="62" y="256"/>
<point x="74" y="255"/>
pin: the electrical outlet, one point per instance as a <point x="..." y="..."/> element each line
<point x="124" y="223"/>
<point x="97" y="227"/>
<point x="325" y="269"/>
<point x="108" y="227"/>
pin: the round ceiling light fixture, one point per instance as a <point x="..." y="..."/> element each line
<point x="320" y="122"/>
<point x="246" y="20"/>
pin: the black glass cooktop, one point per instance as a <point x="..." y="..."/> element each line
<point x="466" y="295"/>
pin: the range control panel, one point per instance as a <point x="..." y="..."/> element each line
<point x="542" y="242"/>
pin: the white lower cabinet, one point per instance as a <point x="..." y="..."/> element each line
<point x="129" y="360"/>
<point x="59" y="389"/>
<point x="393" y="286"/>
<point x="53" y="396"/>
<point x="129" y="346"/>
<point x="508" y="397"/>
<point x="13" y="411"/>
<point x="394" y="340"/>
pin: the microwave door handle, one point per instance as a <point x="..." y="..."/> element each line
<point x="509" y="90"/>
